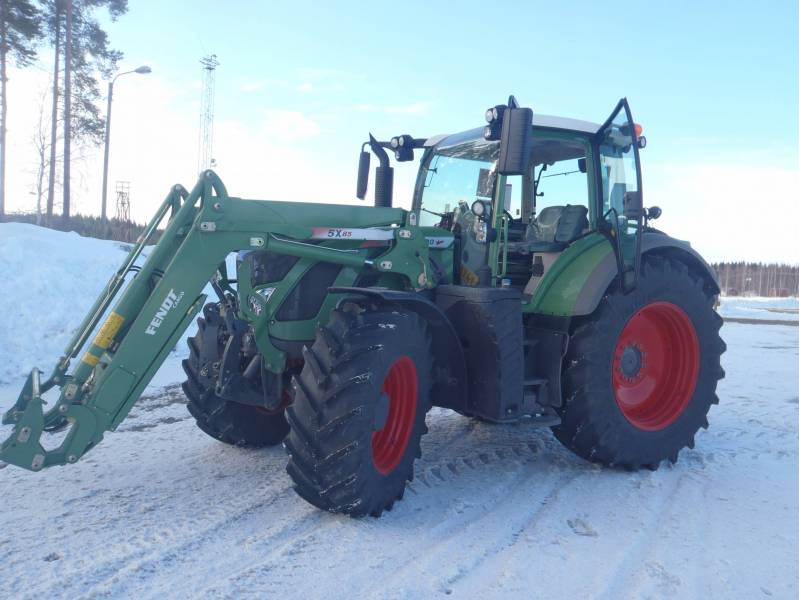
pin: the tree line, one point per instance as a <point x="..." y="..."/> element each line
<point x="758" y="279"/>
<point x="82" y="54"/>
<point x="89" y="226"/>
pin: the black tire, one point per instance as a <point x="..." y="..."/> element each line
<point x="600" y="428"/>
<point x="229" y="422"/>
<point x="339" y="404"/>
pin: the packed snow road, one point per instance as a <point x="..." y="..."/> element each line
<point x="161" y="510"/>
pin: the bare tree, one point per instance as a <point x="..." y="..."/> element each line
<point x="41" y="142"/>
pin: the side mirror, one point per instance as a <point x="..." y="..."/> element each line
<point x="363" y="174"/>
<point x="633" y="205"/>
<point x="581" y="165"/>
<point x="516" y="141"/>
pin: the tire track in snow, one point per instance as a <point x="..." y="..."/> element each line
<point x="271" y="553"/>
<point x="452" y="541"/>
<point x="443" y="472"/>
<point x="132" y="560"/>
<point x="620" y="580"/>
<point x="145" y="565"/>
<point x="520" y="526"/>
<point x="684" y="507"/>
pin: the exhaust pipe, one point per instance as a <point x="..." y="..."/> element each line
<point x="384" y="176"/>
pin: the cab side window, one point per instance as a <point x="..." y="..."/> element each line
<point x="560" y="183"/>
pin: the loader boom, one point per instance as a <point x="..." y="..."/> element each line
<point x="164" y="296"/>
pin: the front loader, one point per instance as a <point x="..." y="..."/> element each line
<point x="525" y="283"/>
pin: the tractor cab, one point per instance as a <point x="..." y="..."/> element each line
<point x="580" y="178"/>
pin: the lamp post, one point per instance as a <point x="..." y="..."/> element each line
<point x="141" y="71"/>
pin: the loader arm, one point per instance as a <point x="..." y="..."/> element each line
<point x="162" y="299"/>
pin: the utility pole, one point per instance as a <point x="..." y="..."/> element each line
<point x="205" y="156"/>
<point x="67" y="107"/>
<point x="144" y="69"/>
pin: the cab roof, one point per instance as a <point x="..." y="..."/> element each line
<point x="544" y="121"/>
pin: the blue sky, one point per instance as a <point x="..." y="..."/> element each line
<point x="726" y="71"/>
<point x="300" y="84"/>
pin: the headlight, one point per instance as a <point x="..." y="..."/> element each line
<point x="478" y="208"/>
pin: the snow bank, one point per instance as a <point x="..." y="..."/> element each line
<point x="50" y="280"/>
<point x="784" y="309"/>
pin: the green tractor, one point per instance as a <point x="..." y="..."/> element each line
<point x="524" y="283"/>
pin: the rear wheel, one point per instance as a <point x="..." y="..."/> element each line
<point x="640" y="374"/>
<point x="359" y="410"/>
<point x="228" y="422"/>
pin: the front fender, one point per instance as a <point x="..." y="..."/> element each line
<point x="449" y="388"/>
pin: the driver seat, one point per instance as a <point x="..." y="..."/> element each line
<point x="553" y="230"/>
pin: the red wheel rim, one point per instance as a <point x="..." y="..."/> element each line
<point x="390" y="442"/>
<point x="655" y="366"/>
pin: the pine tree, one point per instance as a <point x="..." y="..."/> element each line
<point x="20" y="31"/>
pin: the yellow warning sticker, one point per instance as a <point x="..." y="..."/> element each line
<point x="468" y="277"/>
<point x="90" y="359"/>
<point x="109" y="329"/>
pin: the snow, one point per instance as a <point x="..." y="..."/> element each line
<point x="51" y="279"/>
<point x="784" y="309"/>
<point x="161" y="510"/>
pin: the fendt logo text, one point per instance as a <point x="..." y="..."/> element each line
<point x="171" y="301"/>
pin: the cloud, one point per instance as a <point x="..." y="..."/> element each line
<point x="728" y="211"/>
<point x="305" y="87"/>
<point x="415" y="108"/>
<point x="316" y="74"/>
<point x="154" y="144"/>
<point x="252" y="86"/>
<point x="288" y="126"/>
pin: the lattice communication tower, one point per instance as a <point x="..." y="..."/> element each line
<point x="209" y="64"/>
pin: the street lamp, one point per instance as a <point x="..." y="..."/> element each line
<point x="143" y="70"/>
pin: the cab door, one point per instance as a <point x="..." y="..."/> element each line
<point x="619" y="184"/>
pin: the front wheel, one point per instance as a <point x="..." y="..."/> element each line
<point x="229" y="422"/>
<point x="640" y="374"/>
<point x="359" y="410"/>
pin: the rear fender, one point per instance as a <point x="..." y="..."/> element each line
<point x="449" y="388"/>
<point x="581" y="276"/>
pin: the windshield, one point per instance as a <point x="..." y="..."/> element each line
<point x="462" y="169"/>
<point x="457" y="173"/>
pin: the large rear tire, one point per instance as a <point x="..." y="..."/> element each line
<point x="640" y="373"/>
<point x="359" y="410"/>
<point x="229" y="422"/>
